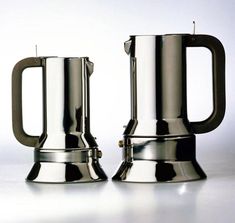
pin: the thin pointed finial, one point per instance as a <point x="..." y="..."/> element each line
<point x="194" y="27"/>
<point x="36" y="50"/>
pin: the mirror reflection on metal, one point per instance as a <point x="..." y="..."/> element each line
<point x="159" y="143"/>
<point x="66" y="151"/>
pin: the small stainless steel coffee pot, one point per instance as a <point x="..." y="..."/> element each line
<point x="66" y="151"/>
<point x="159" y="141"/>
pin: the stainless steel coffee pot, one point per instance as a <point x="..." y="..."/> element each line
<point x="159" y="141"/>
<point x="66" y="151"/>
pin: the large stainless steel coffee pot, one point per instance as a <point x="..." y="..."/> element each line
<point x="159" y="141"/>
<point x="66" y="151"/>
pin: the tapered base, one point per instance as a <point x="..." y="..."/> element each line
<point x="66" y="166"/>
<point x="49" y="172"/>
<point x="147" y="171"/>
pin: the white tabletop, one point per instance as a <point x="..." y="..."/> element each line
<point x="210" y="200"/>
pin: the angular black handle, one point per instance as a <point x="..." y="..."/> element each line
<point x="218" y="70"/>
<point x="17" y="118"/>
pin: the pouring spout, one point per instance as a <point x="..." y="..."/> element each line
<point x="90" y="67"/>
<point x="127" y="46"/>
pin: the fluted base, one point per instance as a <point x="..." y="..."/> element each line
<point x="147" y="171"/>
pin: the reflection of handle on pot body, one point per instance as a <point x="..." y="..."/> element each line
<point x="218" y="69"/>
<point x="65" y="103"/>
<point x="66" y="145"/>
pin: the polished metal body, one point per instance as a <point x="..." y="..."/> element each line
<point x="159" y="141"/>
<point x="66" y="151"/>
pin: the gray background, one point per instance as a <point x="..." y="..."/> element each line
<point x="98" y="29"/>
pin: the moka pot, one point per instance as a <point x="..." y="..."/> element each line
<point x="159" y="141"/>
<point x="66" y="151"/>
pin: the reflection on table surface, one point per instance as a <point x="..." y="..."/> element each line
<point x="198" y="201"/>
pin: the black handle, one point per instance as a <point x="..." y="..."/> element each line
<point x="17" y="119"/>
<point x="218" y="71"/>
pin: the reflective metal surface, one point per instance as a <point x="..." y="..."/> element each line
<point x="66" y="145"/>
<point x="159" y="142"/>
<point x="159" y="171"/>
<point x="69" y="172"/>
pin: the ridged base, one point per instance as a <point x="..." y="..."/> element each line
<point x="147" y="171"/>
<point x="49" y="172"/>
